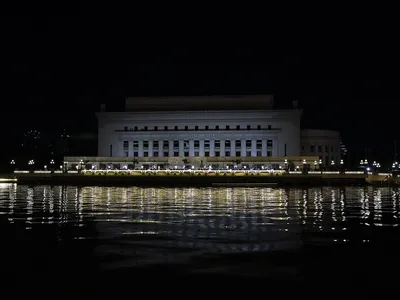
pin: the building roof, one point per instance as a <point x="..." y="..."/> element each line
<point x="195" y="103"/>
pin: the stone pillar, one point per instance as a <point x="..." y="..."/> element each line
<point x="222" y="151"/>
<point x="181" y="148"/>
<point x="264" y="147"/>
<point x="130" y="148"/>
<point x="243" y="147"/>
<point x="140" y="148"/>
<point x="201" y="150"/>
<point x="160" y="148"/>
<point x="191" y="148"/>
<point x="171" y="148"/>
<point x="150" y="148"/>
<point x="212" y="151"/>
<point x="253" y="147"/>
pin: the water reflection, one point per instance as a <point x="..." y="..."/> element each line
<point x="152" y="223"/>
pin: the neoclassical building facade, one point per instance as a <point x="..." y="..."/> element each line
<point x="209" y="132"/>
<point x="200" y="129"/>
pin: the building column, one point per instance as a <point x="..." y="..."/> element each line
<point x="160" y="148"/>
<point x="181" y="148"/>
<point x="222" y="151"/>
<point x="233" y="148"/>
<point x="264" y="147"/>
<point x="253" y="147"/>
<point x="201" y="150"/>
<point x="171" y="148"/>
<point x="212" y="151"/>
<point x="243" y="147"/>
<point x="130" y="148"/>
<point x="140" y="148"/>
<point x="191" y="148"/>
<point x="150" y="148"/>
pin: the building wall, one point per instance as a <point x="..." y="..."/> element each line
<point x="322" y="143"/>
<point x="271" y="133"/>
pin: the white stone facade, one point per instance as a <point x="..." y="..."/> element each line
<point x="322" y="143"/>
<point x="200" y="133"/>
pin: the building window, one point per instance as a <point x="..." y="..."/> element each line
<point x="197" y="144"/>
<point x="238" y="153"/>
<point x="319" y="149"/>
<point x="217" y="153"/>
<point x="111" y="151"/>
<point x="145" y="154"/>
<point x="285" y="150"/>
<point x="269" y="153"/>
<point x="217" y="127"/>
<point x="206" y="154"/>
<point x="331" y="148"/>
<point x="259" y="127"/>
<point x="217" y="144"/>
<point x="186" y="144"/>
<point x="259" y="153"/>
<point x="186" y="128"/>
<point x="135" y="154"/>
<point x="248" y="143"/>
<point x="196" y="127"/>
<point x="326" y="149"/>
<point x="227" y="144"/>
<point x="207" y="144"/>
<point x="145" y="144"/>
<point x="165" y="144"/>
<point x="238" y="143"/>
<point x="312" y="149"/>
<point x="155" y="128"/>
<point x="176" y="127"/>
<point x="166" y="153"/>
<point x="186" y="153"/>
<point x="155" y="144"/>
<point x="155" y="154"/>
<point x="145" y="128"/>
<point x="135" y="145"/>
<point x="259" y="144"/>
<point x="227" y="127"/>
<point x="270" y="144"/>
<point x="196" y="153"/>
<point x="269" y="127"/>
<point x="227" y="153"/>
<point x="206" y="127"/>
<point x="135" y="128"/>
<point x="176" y="153"/>
<point x="176" y="144"/>
<point x="248" y="127"/>
<point x="165" y="128"/>
<point x="248" y="153"/>
<point x="237" y="127"/>
<point x="126" y="128"/>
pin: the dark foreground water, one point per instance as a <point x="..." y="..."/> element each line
<point x="186" y="241"/>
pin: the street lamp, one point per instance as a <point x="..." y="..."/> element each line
<point x="315" y="165"/>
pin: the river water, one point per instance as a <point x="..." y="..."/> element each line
<point x="102" y="239"/>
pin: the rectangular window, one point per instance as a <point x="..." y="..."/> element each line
<point x="145" y="144"/>
<point x="238" y="143"/>
<point x="186" y="144"/>
<point x="259" y="144"/>
<point x="155" y="128"/>
<point x="186" y="153"/>
<point x="269" y="153"/>
<point x="196" y="153"/>
<point x="196" y="127"/>
<point x="135" y="145"/>
<point x="227" y="127"/>
<point x="155" y="144"/>
<point x="166" y="153"/>
<point x="206" y="154"/>
<point x="269" y="127"/>
<point x="319" y="149"/>
<point x="248" y="143"/>
<point x="248" y="127"/>
<point x="227" y="144"/>
<point x="312" y="149"/>
<point x="166" y="144"/>
<point x="186" y="128"/>
<point x="270" y="144"/>
<point x="155" y="154"/>
<point x="259" y="153"/>
<point x="238" y="153"/>
<point x="237" y="127"/>
<point x="259" y="127"/>
<point x="248" y="153"/>
<point x="217" y="144"/>
<point x="217" y="153"/>
<point x="145" y="154"/>
<point x="207" y="144"/>
<point x="285" y="150"/>
<point x="176" y="153"/>
<point x="197" y="144"/>
<point x="145" y="127"/>
<point x="126" y="145"/>
<point x="206" y="127"/>
<point x="217" y="127"/>
<point x="176" y="144"/>
<point x="135" y="154"/>
<point x="227" y="153"/>
<point x="165" y="128"/>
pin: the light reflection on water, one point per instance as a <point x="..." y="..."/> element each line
<point x="148" y="225"/>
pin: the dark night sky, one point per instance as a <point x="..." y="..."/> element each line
<point x="51" y="82"/>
